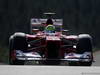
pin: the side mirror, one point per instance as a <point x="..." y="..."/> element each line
<point x="64" y="31"/>
<point x="35" y="30"/>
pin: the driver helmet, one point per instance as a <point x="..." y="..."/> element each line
<point x="50" y="28"/>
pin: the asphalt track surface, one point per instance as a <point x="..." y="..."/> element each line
<point x="48" y="70"/>
<point x="52" y="70"/>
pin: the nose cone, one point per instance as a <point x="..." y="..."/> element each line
<point x="53" y="38"/>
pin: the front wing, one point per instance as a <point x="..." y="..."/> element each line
<point x="74" y="57"/>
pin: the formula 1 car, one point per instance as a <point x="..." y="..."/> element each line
<point x="49" y="44"/>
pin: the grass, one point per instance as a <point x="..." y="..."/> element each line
<point x="4" y="53"/>
<point x="96" y="49"/>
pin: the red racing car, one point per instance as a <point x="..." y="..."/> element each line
<point x="49" y="44"/>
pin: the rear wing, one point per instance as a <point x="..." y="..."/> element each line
<point x="35" y="21"/>
<point x="41" y="23"/>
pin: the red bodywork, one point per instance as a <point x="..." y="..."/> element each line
<point x="51" y="45"/>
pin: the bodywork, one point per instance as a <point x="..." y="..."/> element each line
<point x="44" y="46"/>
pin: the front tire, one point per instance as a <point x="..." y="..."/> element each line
<point x="85" y="45"/>
<point x="16" y="42"/>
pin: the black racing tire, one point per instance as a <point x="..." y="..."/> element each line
<point x="11" y="49"/>
<point x="16" y="42"/>
<point x="85" y="45"/>
<point x="20" y="42"/>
